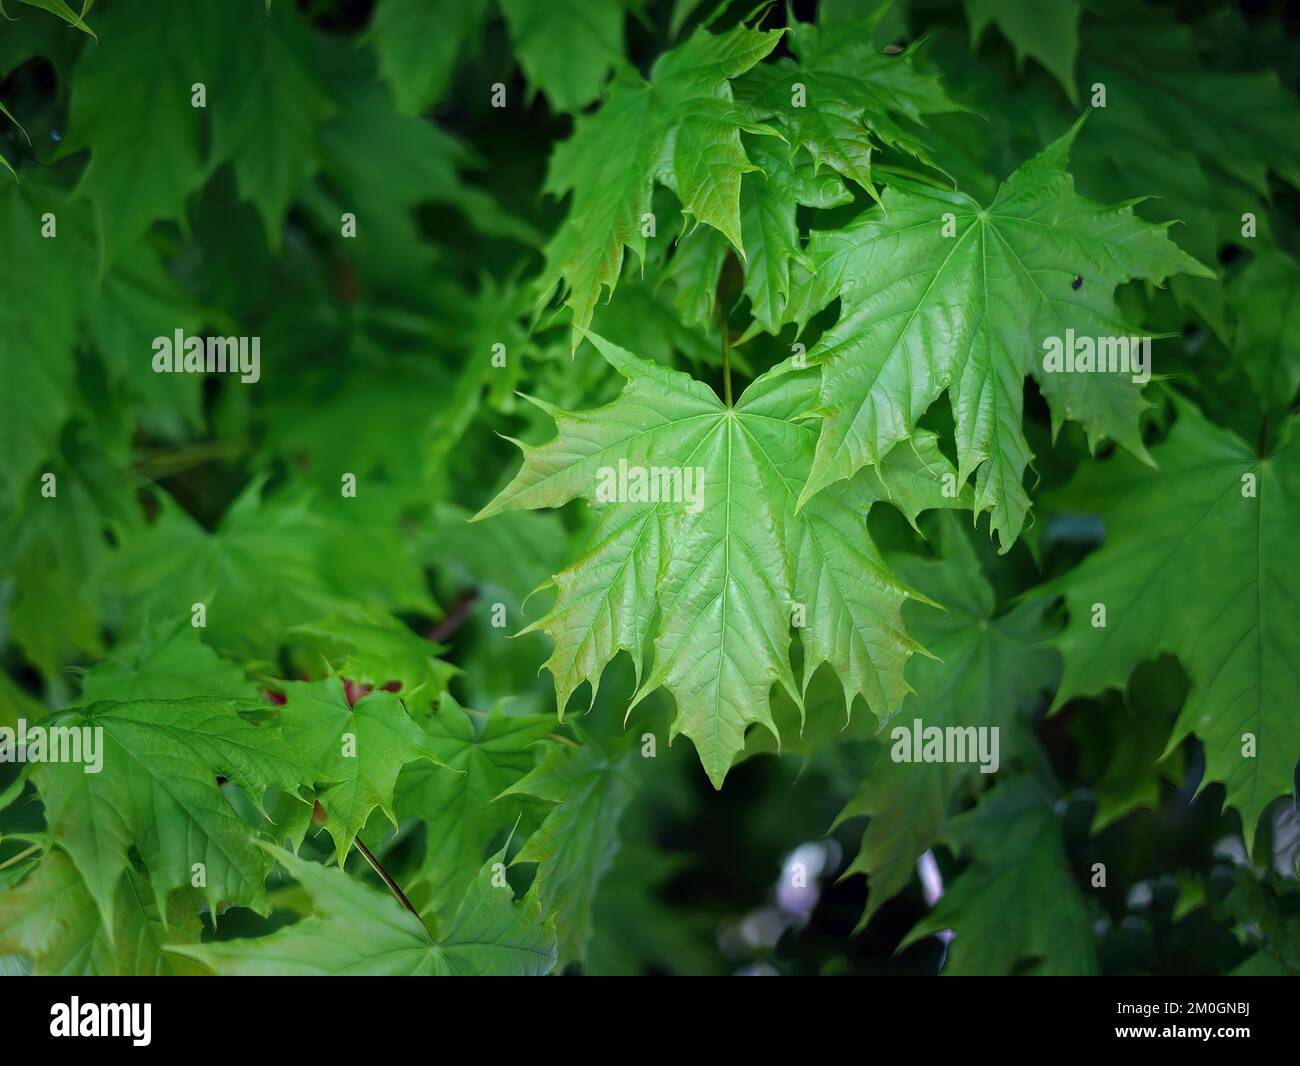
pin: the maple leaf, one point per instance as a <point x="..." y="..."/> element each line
<point x="1048" y="32"/>
<point x="463" y="797"/>
<point x="681" y="128"/>
<point x="714" y="582"/>
<point x="923" y="313"/>
<point x="354" y="752"/>
<point x="418" y="42"/>
<point x="576" y="844"/>
<point x="51" y="918"/>
<point x="1265" y="297"/>
<point x="374" y="648"/>
<point x="37" y="328"/>
<point x="1216" y="517"/>
<point x="985" y="666"/>
<point x="165" y="663"/>
<point x="268" y="104"/>
<point x="769" y="200"/>
<point x="1017" y="853"/>
<point x="845" y="97"/>
<point x="157" y="792"/>
<point x="131" y="106"/>
<point x="566" y="47"/>
<point x="357" y="930"/>
<point x="1242" y="125"/>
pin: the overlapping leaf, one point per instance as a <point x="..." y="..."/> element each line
<point x="463" y="800"/>
<point x="355" y="752"/>
<point x="1017" y="854"/>
<point x="1217" y="518"/>
<point x="846" y="97"/>
<point x="984" y="668"/>
<point x="157" y="794"/>
<point x="940" y="294"/>
<point x="681" y="128"/>
<point x="575" y="847"/>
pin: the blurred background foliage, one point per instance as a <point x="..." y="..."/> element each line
<point x="376" y="361"/>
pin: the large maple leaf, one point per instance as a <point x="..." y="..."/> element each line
<point x="1219" y="519"/>
<point x="939" y="293"/>
<point x="717" y="580"/>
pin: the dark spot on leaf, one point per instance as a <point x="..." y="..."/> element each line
<point x="1078" y="281"/>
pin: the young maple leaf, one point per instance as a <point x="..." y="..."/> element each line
<point x="1219" y="519"/>
<point x="716" y="584"/>
<point x="845" y="97"/>
<point x="940" y="294"/>
<point x="317" y="719"/>
<point x="681" y="128"/>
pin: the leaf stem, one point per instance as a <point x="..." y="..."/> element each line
<point x="15" y="859"/>
<point x="914" y="175"/>
<point x="387" y="878"/>
<point x="726" y="352"/>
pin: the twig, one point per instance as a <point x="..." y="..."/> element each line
<point x="454" y="618"/>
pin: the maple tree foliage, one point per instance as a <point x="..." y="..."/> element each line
<point x="655" y="538"/>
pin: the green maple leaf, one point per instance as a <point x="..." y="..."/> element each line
<point x="1017" y="853"/>
<point x="137" y="300"/>
<point x="51" y="918"/>
<point x="462" y="800"/>
<point x="985" y="666"/>
<point x="1239" y="124"/>
<point x="968" y="313"/>
<point x="269" y="566"/>
<point x="1047" y="32"/>
<point x="165" y="663"/>
<point x="353" y="752"/>
<point x="374" y="648"/>
<point x="1196" y="563"/>
<point x="418" y="42"/>
<point x="1265" y="297"/>
<point x="266" y="106"/>
<point x="716" y="586"/>
<point x="157" y="792"/>
<point x="131" y="107"/>
<point x="769" y="201"/>
<point x="576" y="845"/>
<point x="845" y="97"/>
<point x="38" y="319"/>
<point x="681" y="128"/>
<point x="566" y="47"/>
<point x="357" y="930"/>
